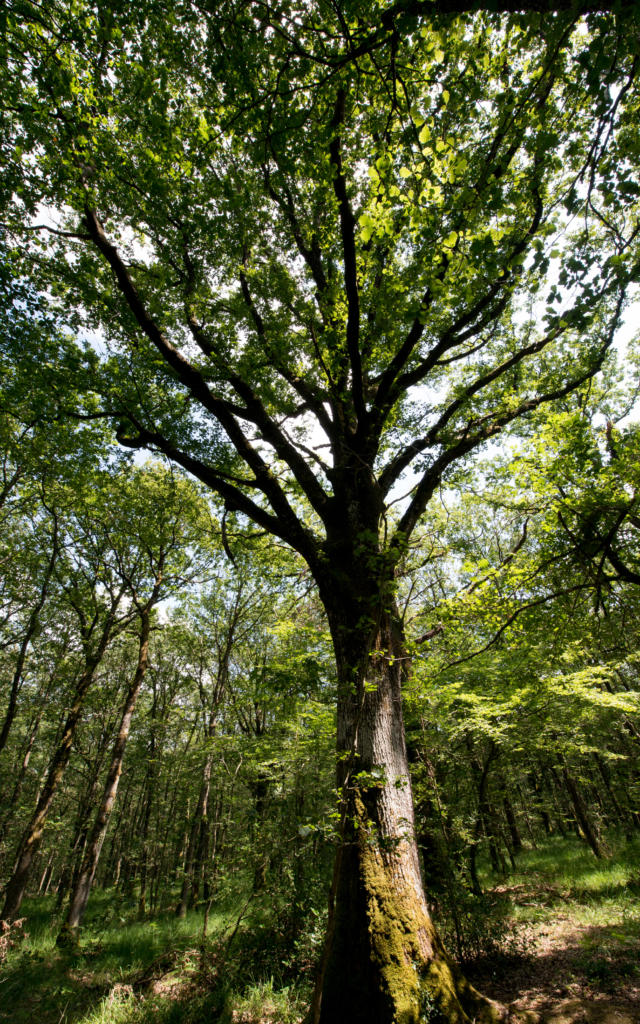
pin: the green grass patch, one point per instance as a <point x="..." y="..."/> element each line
<point x="129" y="971"/>
<point x="566" y="875"/>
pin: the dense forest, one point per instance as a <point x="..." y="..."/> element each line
<point x="320" y="512"/>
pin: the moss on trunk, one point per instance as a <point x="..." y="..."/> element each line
<point x="392" y="969"/>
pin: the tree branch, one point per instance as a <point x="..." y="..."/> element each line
<point x="347" y="228"/>
<point x="192" y="379"/>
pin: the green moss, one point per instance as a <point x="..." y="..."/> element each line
<point x="419" y="987"/>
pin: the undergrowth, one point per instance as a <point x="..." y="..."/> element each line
<point x="127" y="971"/>
<point x="257" y="964"/>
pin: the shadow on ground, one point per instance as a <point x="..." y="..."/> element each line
<point x="568" y="974"/>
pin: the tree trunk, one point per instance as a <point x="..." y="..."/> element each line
<point x="86" y="875"/>
<point x="80" y="832"/>
<point x="32" y="836"/>
<point x="525" y="811"/>
<point x="383" y="961"/>
<point x="605" y="774"/>
<point x="30" y="632"/>
<point x="150" y="793"/>
<point x="114" y="860"/>
<point x="199" y="821"/>
<point x="582" y="816"/>
<point x="564" y="818"/>
<point x="17" y="789"/>
<point x="45" y="881"/>
<point x="485" y="821"/>
<point x="148" y="797"/>
<point x="510" y="815"/>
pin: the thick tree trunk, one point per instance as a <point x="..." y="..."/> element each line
<point x="86" y="874"/>
<point x="383" y="962"/>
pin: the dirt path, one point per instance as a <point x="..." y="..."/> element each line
<point x="570" y="973"/>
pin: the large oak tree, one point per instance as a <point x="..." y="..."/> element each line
<point x="331" y="250"/>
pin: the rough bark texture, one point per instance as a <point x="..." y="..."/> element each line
<point x="383" y="962"/>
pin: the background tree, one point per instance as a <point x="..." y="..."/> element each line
<point x="164" y="520"/>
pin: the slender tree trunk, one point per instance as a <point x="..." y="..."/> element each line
<point x="199" y="817"/>
<point x="605" y="774"/>
<point x="169" y="852"/>
<point x="525" y="811"/>
<point x="32" y="837"/>
<point x="582" y="815"/>
<point x="17" y="789"/>
<point x="383" y="961"/>
<point x="32" y="626"/>
<point x="260" y="791"/>
<point x="144" y="836"/>
<point x="147" y="799"/>
<point x="46" y="876"/>
<point x="485" y="821"/>
<point x="510" y="815"/>
<point x="538" y="784"/>
<point x="80" y="833"/>
<point x="115" y="847"/>
<point x="33" y="734"/>
<point x="564" y="818"/>
<point x="86" y="875"/>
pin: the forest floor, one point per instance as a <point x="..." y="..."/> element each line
<point x="567" y="952"/>
<point x="573" y="955"/>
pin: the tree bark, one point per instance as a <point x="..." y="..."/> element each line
<point x="383" y="961"/>
<point x="199" y="820"/>
<point x="17" y="789"/>
<point x="86" y="875"/>
<point x="582" y="815"/>
<point x="485" y="820"/>
<point x="510" y="815"/>
<point x="149" y="795"/>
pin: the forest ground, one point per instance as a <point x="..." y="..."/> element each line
<point x="567" y="951"/>
<point x="573" y="955"/>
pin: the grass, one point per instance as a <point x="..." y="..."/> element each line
<point x="576" y="929"/>
<point x="126" y="971"/>
<point x="565" y="875"/>
<point x="284" y="1006"/>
